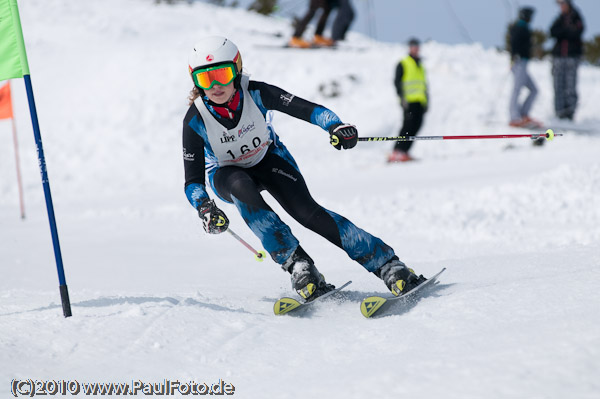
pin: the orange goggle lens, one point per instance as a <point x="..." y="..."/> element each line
<point x="206" y="78"/>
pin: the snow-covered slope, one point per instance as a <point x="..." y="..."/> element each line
<point x="154" y="298"/>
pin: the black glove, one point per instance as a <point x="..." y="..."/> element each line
<point x="213" y="219"/>
<point x="343" y="135"/>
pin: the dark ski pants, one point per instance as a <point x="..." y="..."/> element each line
<point x="564" y="71"/>
<point x="413" y="119"/>
<point x="278" y="174"/>
<point x="312" y="10"/>
<point x="343" y="20"/>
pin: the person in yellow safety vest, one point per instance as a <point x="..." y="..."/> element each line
<point x="411" y="86"/>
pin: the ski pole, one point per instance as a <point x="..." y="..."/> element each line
<point x="549" y="135"/>
<point x="259" y="255"/>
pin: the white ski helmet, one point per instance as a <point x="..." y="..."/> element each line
<point x="215" y="50"/>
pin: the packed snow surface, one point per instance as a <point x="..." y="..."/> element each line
<point x="516" y="314"/>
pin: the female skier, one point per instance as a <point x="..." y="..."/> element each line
<point x="226" y="136"/>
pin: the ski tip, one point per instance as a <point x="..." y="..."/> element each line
<point x="285" y="305"/>
<point x="370" y="305"/>
<point x="435" y="276"/>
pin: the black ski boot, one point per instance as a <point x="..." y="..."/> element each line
<point x="306" y="279"/>
<point x="397" y="277"/>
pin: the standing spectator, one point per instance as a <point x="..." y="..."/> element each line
<point x="318" y="40"/>
<point x="567" y="30"/>
<point x="411" y="87"/>
<point x="520" y="52"/>
<point x="343" y="20"/>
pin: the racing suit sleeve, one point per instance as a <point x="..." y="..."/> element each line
<point x="273" y="98"/>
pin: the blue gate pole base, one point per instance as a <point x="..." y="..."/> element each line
<point x="64" y="298"/>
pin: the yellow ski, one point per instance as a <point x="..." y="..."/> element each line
<point x="286" y="305"/>
<point x="374" y="304"/>
<point x="370" y="305"/>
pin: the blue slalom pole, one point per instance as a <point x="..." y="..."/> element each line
<point x="64" y="292"/>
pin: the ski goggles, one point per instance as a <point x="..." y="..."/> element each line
<point x="206" y="78"/>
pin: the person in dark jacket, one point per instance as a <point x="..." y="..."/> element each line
<point x="520" y="52"/>
<point x="411" y="86"/>
<point x="567" y="29"/>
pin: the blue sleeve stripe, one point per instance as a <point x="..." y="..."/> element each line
<point x="324" y="117"/>
<point x="196" y="193"/>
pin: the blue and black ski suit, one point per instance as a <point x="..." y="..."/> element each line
<point x="242" y="155"/>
